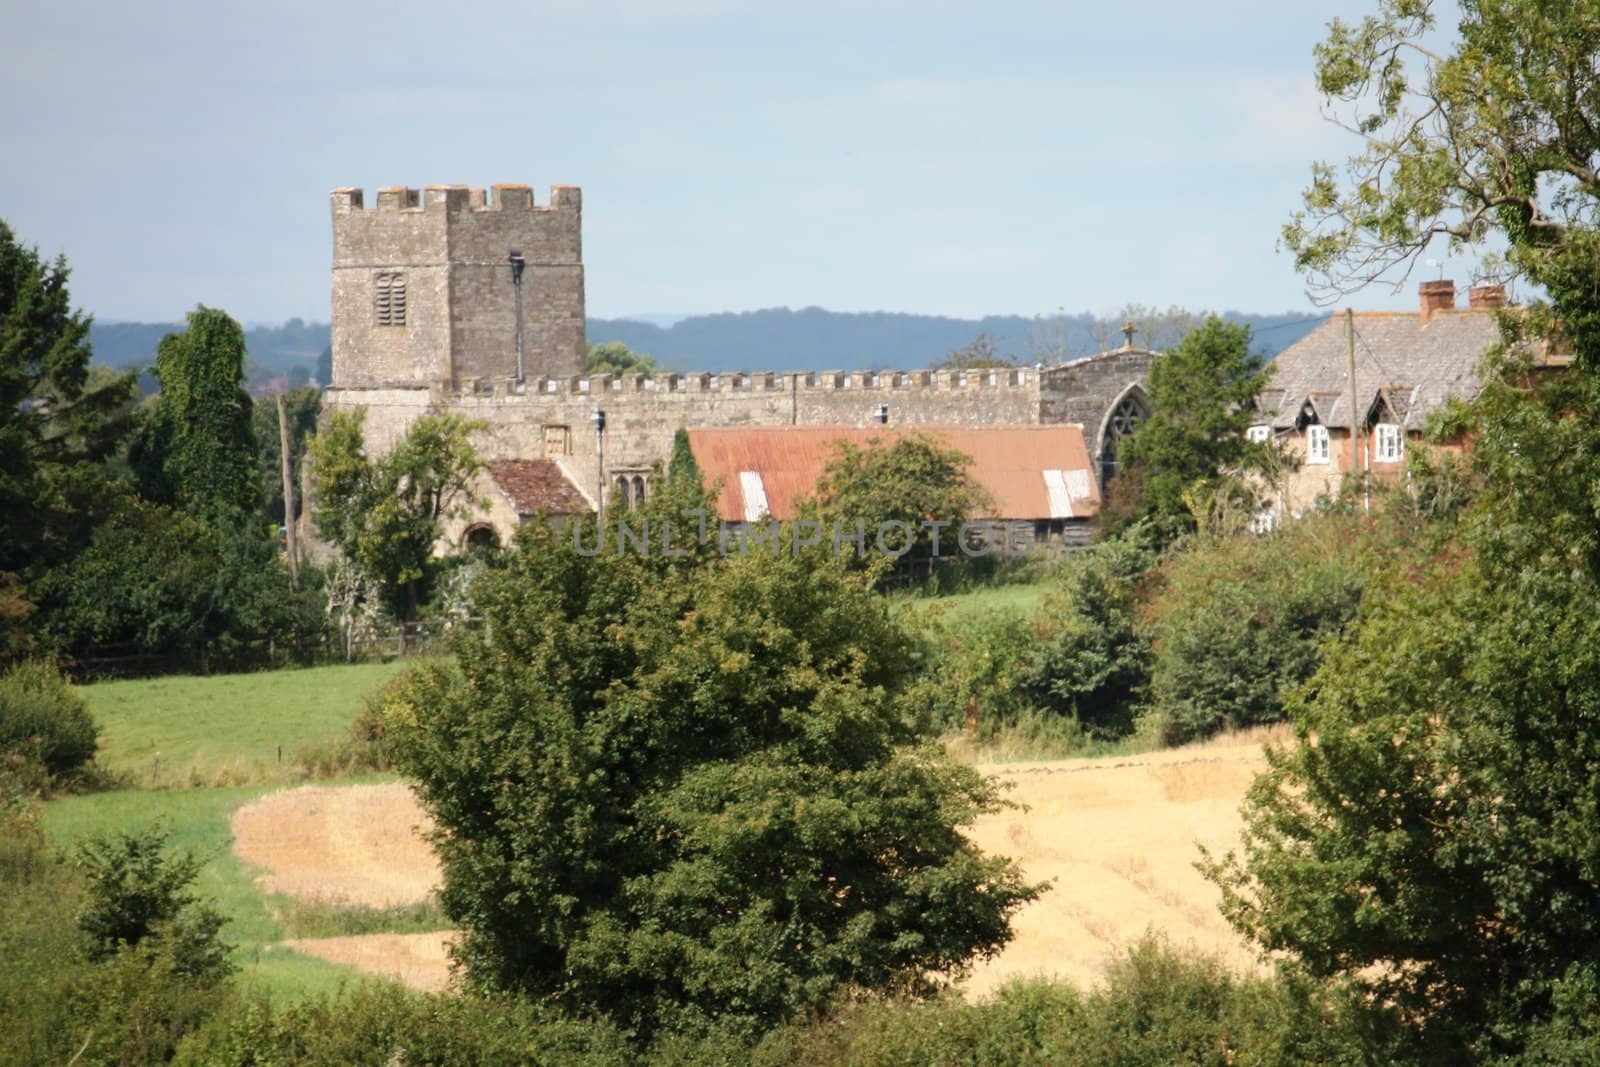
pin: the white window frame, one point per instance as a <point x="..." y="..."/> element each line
<point x="1259" y="434"/>
<point x="1388" y="443"/>
<point x="1318" y="447"/>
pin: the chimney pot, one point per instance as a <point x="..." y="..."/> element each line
<point x="1486" y="297"/>
<point x="1436" y="296"/>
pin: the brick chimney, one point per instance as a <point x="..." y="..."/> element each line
<point x="1436" y="296"/>
<point x="1486" y="297"/>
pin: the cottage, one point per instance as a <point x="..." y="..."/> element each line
<point x="1408" y="365"/>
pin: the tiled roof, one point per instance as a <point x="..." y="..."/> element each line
<point x="537" y="487"/>
<point x="1030" y="472"/>
<point x="1414" y="367"/>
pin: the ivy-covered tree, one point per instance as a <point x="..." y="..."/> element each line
<point x="682" y="467"/>
<point x="683" y="791"/>
<point x="1193" y="445"/>
<point x="386" y="514"/>
<point x="198" y="451"/>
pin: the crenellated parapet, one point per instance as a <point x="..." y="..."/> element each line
<point x="908" y="383"/>
<point x="503" y="197"/>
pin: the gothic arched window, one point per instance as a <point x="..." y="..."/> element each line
<point x="1125" y="418"/>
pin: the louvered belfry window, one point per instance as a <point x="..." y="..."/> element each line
<point x="389" y="298"/>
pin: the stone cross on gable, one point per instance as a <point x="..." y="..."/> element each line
<point x="1127" y="332"/>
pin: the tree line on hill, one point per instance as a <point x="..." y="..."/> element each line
<point x="771" y="339"/>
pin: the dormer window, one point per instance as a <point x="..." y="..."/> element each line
<point x="1389" y="443"/>
<point x="389" y="298"/>
<point x="1316" y="444"/>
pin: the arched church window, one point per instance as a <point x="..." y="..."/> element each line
<point x="1125" y="418"/>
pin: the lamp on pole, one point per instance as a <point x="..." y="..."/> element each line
<point x="599" y="420"/>
<point x="517" y="265"/>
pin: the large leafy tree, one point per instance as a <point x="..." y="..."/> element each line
<point x="1486" y="142"/>
<point x="1433" y="835"/>
<point x="907" y="481"/>
<point x="386" y="513"/>
<point x="198" y="451"/>
<point x="58" y="419"/>
<point x="1193" y="446"/>
<point x="681" y="790"/>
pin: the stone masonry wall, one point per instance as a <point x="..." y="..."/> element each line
<point x="643" y="413"/>
<point x="1085" y="392"/>
<point x="451" y="244"/>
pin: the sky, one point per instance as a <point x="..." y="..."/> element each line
<point x="958" y="159"/>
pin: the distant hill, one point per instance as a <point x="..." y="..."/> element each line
<point x="274" y="349"/>
<point x="771" y="339"/>
<point x="815" y="339"/>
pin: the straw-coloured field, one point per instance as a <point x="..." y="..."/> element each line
<point x="1117" y="837"/>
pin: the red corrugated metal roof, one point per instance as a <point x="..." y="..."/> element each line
<point x="537" y="486"/>
<point x="1009" y="462"/>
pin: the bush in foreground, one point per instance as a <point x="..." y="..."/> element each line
<point x="44" y="720"/>
<point x="682" y="793"/>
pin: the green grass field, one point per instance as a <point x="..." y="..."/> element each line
<point x="184" y="744"/>
<point x="956" y="609"/>
<point x="198" y="819"/>
<point x="186" y="731"/>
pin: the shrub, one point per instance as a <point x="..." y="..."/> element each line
<point x="1238" y="621"/>
<point x="131" y="1006"/>
<point x="972" y="678"/>
<point x="136" y="889"/>
<point x="1158" y="1006"/>
<point x="380" y="1025"/>
<point x="43" y="719"/>
<point x="1091" y="661"/>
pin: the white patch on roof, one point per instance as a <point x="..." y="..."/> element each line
<point x="754" y="491"/>
<point x="1055" y="486"/>
<point x="1078" y="485"/>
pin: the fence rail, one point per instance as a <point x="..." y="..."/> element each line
<point x="332" y="644"/>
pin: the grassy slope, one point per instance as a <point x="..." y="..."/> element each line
<point x="198" y="819"/>
<point x="225" y="729"/>
<point x="206" y="731"/>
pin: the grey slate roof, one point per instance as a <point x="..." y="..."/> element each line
<point x="1410" y="367"/>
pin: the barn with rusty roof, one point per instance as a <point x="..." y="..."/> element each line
<point x="1041" y="475"/>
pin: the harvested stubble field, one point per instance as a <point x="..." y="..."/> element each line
<point x="1117" y="838"/>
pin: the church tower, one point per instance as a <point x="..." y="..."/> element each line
<point x="456" y="287"/>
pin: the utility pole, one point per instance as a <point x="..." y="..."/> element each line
<point x="288" y="497"/>
<point x="517" y="265"/>
<point x="1350" y="373"/>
